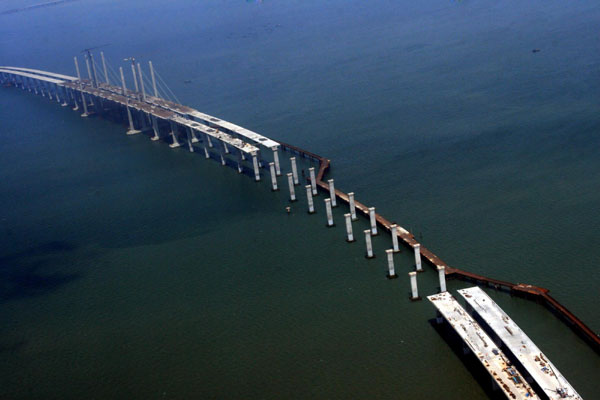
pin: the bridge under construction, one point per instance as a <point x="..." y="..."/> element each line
<point x="147" y="107"/>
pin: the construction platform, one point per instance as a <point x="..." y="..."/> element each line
<point x="535" y="363"/>
<point x="506" y="376"/>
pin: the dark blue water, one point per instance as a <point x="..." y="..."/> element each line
<point x="131" y="270"/>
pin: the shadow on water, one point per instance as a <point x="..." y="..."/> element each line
<point x="32" y="272"/>
<point x="469" y="360"/>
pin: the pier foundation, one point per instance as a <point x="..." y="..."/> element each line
<point x="175" y="142"/>
<point x="332" y="193"/>
<point x="394" y="230"/>
<point x="294" y="170"/>
<point x="413" y="286"/>
<point x="349" y="233"/>
<point x="329" y="212"/>
<point x="291" y="185"/>
<point x="311" y="206"/>
<point x="276" y="160"/>
<point x="442" y="276"/>
<point x="369" y="244"/>
<point x="352" y="206"/>
<point x="390" y="259"/>
<point x="418" y="266"/>
<point x="313" y="181"/>
<point x="254" y="165"/>
<point x="373" y="221"/>
<point x="273" y="177"/>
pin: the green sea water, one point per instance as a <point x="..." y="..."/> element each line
<point x="132" y="270"/>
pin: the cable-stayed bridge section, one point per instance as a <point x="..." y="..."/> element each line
<point x="167" y="120"/>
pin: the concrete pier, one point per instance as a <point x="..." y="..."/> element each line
<point x="442" y="277"/>
<point x="175" y="142"/>
<point x="254" y="165"/>
<point x="273" y="176"/>
<point x="373" y="221"/>
<point x="417" y="249"/>
<point x="349" y="233"/>
<point x="369" y="244"/>
<point x="352" y="206"/>
<point x="294" y="170"/>
<point x="413" y="286"/>
<point x="329" y="212"/>
<point x="394" y="232"/>
<point x="309" y="198"/>
<point x="313" y="181"/>
<point x="155" y="129"/>
<point x="276" y="160"/>
<point x="291" y="186"/>
<point x="332" y="193"/>
<point x="390" y="260"/>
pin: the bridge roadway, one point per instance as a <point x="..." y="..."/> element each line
<point x="537" y="364"/>
<point x="222" y="130"/>
<point x="32" y="76"/>
<point x="505" y="376"/>
<point x="43" y="73"/>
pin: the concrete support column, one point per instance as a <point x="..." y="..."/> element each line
<point x="311" y="206"/>
<point x="276" y="160"/>
<point x="255" y="165"/>
<point x="132" y="130"/>
<point x="390" y="259"/>
<point x="222" y="157"/>
<point x="373" y="221"/>
<point x="239" y="161"/>
<point x="74" y="98"/>
<point x="84" y="102"/>
<point x="349" y="233"/>
<point x="188" y="134"/>
<point x="49" y="90"/>
<point x="369" y="244"/>
<point x="395" y="246"/>
<point x="329" y="212"/>
<point x="294" y="170"/>
<point x="332" y="193"/>
<point x="413" y="286"/>
<point x="352" y="206"/>
<point x="194" y="137"/>
<point x="65" y="97"/>
<point x="225" y="148"/>
<point x="273" y="176"/>
<point x="418" y="266"/>
<point x="175" y="142"/>
<point x="56" y="94"/>
<point x="313" y="181"/>
<point x="442" y="277"/>
<point x="204" y="144"/>
<point x="291" y="185"/>
<point x="155" y="128"/>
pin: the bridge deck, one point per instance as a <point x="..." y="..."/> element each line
<point x="253" y="136"/>
<point x="510" y="381"/>
<point x="519" y="344"/>
<point x="31" y="75"/>
<point x="44" y="73"/>
<point x="222" y="136"/>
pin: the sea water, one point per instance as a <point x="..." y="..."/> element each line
<point x="132" y="270"/>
